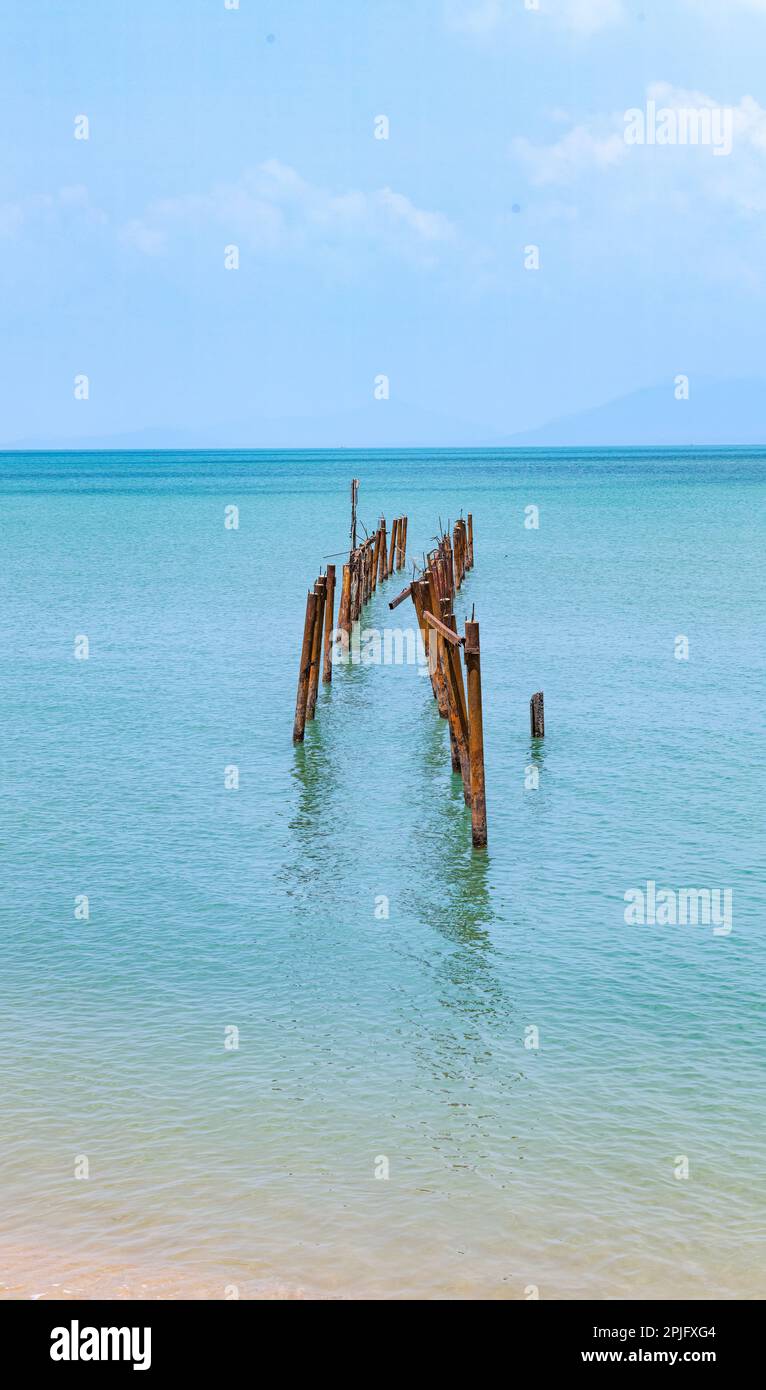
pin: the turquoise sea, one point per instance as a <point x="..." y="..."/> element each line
<point x="371" y="1043"/>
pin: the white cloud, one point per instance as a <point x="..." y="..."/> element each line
<point x="73" y="199"/>
<point x="677" y="208"/>
<point x="587" y="16"/>
<point x="579" y="16"/>
<point x="598" y="146"/>
<point x="724" y="7"/>
<point x="565" y="160"/>
<point x="271" y="208"/>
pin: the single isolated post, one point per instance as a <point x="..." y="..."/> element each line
<point x="472" y="655"/>
<point x="320" y="589"/>
<point x="299" y="727"/>
<point x="328" y="619"/>
<point x="537" y="715"/>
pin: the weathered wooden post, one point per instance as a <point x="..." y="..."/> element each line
<point x="383" y="554"/>
<point x="472" y="655"/>
<point x="537" y="715"/>
<point x="354" y="495"/>
<point x="366" y="586"/>
<point x="375" y="551"/>
<point x="435" y="644"/>
<point x="458" y="714"/>
<point x="299" y="726"/>
<point x="416" y="591"/>
<point x="470" y="540"/>
<point x="392" y="553"/>
<point x="356" y="584"/>
<point x="344" y="609"/>
<point x="403" y="543"/>
<point x="320" y="589"/>
<point x="328" y="621"/>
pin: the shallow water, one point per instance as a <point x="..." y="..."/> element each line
<point x="361" y="1037"/>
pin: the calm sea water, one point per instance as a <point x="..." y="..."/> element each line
<point x="364" y="1038"/>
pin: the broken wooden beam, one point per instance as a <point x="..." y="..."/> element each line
<point x="446" y="632"/>
<point x="401" y="597"/>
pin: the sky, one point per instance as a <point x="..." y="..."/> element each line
<point x="359" y="257"/>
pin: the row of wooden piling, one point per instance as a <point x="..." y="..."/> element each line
<point x="315" y="648"/>
<point x="458" y="698"/>
<point x="456" y="685"/>
<point x="368" y="565"/>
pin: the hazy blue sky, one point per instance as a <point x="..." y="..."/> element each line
<point x="255" y="127"/>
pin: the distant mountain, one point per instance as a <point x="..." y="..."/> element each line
<point x="379" y="425"/>
<point x="717" y="413"/>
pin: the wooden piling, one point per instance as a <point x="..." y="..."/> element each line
<point x="375" y="559"/>
<point x="328" y="627"/>
<point x="436" y="658"/>
<point x="365" y="572"/>
<point x="344" y="609"/>
<point x="475" y="735"/>
<point x="354" y="496"/>
<point x="537" y="715"/>
<point x="469" y="530"/>
<point x="356" y="585"/>
<point x="320" y="589"/>
<point x="382" y="559"/>
<point x="299" y="725"/>
<point x="463" y="547"/>
<point x="403" y="544"/>
<point x="421" y="597"/>
<point x="392" y="552"/>
<point x="458" y="713"/>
